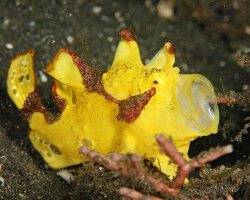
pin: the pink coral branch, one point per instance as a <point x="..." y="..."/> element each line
<point x="130" y="165"/>
<point x="99" y="158"/>
<point x="184" y="166"/>
<point x="226" y="100"/>
<point x="133" y="194"/>
<point x="116" y="163"/>
<point x="211" y="155"/>
<point x="229" y="197"/>
<point x="170" y="150"/>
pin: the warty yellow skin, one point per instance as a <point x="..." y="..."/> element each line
<point x="90" y="119"/>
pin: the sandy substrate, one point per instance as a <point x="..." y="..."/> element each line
<point x="207" y="38"/>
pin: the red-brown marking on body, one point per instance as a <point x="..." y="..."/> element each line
<point x="33" y="103"/>
<point x="131" y="108"/>
<point x="60" y="102"/>
<point x="91" y="78"/>
<point x="127" y="35"/>
<point x="169" y="48"/>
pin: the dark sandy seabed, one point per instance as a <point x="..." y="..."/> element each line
<point x="207" y="36"/>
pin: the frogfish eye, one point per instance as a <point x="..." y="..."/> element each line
<point x="197" y="102"/>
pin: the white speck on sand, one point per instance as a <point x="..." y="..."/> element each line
<point x="65" y="175"/>
<point x="43" y="77"/>
<point x="96" y="9"/>
<point x="9" y="46"/>
<point x="70" y="39"/>
<point x="2" y="181"/>
<point x="110" y="39"/>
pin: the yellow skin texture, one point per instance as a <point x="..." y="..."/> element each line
<point x="90" y="119"/>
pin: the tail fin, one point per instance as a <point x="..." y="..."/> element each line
<point x="21" y="78"/>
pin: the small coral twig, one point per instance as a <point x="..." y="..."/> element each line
<point x="126" y="165"/>
<point x="130" y="166"/>
<point x="230" y="101"/>
<point x="232" y="98"/>
<point x="243" y="131"/>
<point x="229" y="197"/>
<point x="133" y="194"/>
<point x="184" y="166"/>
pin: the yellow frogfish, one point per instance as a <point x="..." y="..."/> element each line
<point x="117" y="111"/>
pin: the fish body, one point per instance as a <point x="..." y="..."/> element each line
<point x="118" y="111"/>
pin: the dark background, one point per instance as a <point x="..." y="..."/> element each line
<point x="207" y="36"/>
